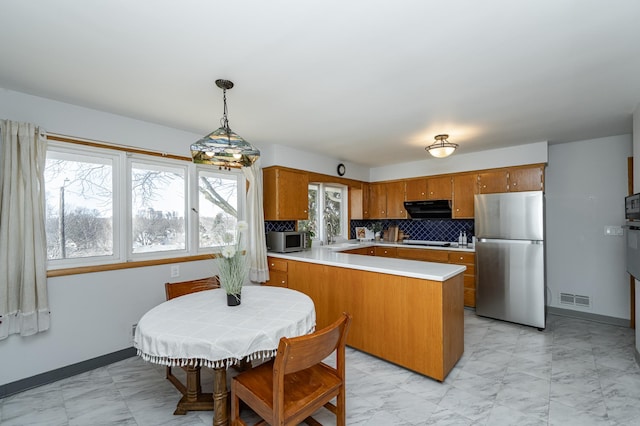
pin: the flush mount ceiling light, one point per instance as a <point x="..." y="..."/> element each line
<point x="223" y="147"/>
<point x="441" y="148"/>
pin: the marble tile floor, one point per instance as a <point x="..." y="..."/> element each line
<point x="576" y="372"/>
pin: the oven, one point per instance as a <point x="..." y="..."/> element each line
<point x="632" y="213"/>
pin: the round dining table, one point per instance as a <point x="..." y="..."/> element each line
<point x="200" y="330"/>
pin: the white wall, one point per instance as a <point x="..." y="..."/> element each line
<point x="91" y="314"/>
<point x="586" y="182"/>
<point x="305" y="160"/>
<point x="503" y="157"/>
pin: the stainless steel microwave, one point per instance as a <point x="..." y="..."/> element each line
<point x="632" y="207"/>
<point x="286" y="241"/>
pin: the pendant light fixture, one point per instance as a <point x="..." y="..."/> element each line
<point x="441" y="148"/>
<point x="223" y="147"/>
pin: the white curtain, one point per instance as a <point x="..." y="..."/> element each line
<point x="259" y="268"/>
<point x="24" y="305"/>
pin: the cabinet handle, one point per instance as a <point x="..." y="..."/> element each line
<point x="515" y="183"/>
<point x="273" y="264"/>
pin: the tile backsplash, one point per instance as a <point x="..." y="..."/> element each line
<point x="432" y="230"/>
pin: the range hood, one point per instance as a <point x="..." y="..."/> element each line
<point x="428" y="209"/>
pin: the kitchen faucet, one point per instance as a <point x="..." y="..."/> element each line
<point x="330" y="234"/>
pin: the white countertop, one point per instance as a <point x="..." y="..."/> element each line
<point x="324" y="255"/>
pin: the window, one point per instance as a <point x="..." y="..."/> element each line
<point x="157" y="207"/>
<point x="327" y="211"/>
<point x="79" y="205"/>
<point x="106" y="205"/>
<point x="218" y="204"/>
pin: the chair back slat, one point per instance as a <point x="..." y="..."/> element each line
<point x="173" y="290"/>
<point x="302" y="352"/>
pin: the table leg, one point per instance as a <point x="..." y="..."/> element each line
<point x="220" y="397"/>
<point x="193" y="399"/>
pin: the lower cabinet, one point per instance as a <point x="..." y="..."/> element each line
<point x="367" y="251"/>
<point x="415" y="323"/>
<point x="278" y="274"/>
<point x="445" y="256"/>
<point x="385" y="251"/>
<point x="468" y="260"/>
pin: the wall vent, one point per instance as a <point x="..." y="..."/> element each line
<point x="575" y="300"/>
<point x="583" y="301"/>
<point x="567" y="299"/>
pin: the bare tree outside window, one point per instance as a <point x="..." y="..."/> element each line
<point x="79" y="207"/>
<point x="217" y="209"/>
<point x="157" y="208"/>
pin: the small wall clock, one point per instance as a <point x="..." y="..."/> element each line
<point x="341" y="169"/>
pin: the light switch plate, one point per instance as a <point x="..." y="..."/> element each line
<point x="613" y="230"/>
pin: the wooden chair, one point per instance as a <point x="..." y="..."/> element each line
<point x="193" y="398"/>
<point x="287" y="390"/>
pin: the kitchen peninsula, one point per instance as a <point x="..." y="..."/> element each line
<point x="407" y="312"/>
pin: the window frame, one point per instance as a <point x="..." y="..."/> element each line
<point x="321" y="229"/>
<point x="122" y="220"/>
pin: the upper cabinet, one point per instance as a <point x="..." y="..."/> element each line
<point x="439" y="188"/>
<point x="416" y="189"/>
<point x="436" y="188"/>
<point x="526" y="179"/>
<point x="493" y="181"/>
<point x="395" y="200"/>
<point x="513" y="179"/>
<point x="286" y="194"/>
<point x="386" y="200"/>
<point x="464" y="189"/>
<point x="359" y="202"/>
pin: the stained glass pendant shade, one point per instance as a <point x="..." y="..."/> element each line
<point x="223" y="147"/>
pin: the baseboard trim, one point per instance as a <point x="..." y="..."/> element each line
<point x="604" y="319"/>
<point x="64" y="372"/>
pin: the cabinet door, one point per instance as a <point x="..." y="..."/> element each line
<point x="464" y="188"/>
<point x="492" y="182"/>
<point x="439" y="188"/>
<point x="366" y="203"/>
<point x="286" y="194"/>
<point x="386" y="251"/>
<point x="416" y="190"/>
<point x="377" y="201"/>
<point x="395" y="200"/>
<point x="528" y="179"/>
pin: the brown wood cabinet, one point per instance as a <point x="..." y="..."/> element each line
<point x="395" y="200"/>
<point x="526" y="179"/>
<point x="512" y="179"/>
<point x="416" y="189"/>
<point x="493" y="181"/>
<point x="464" y="189"/>
<point x="438" y="256"/>
<point x="386" y="200"/>
<point x="385" y="251"/>
<point x="415" y="323"/>
<point x="278" y="272"/>
<point x="367" y="251"/>
<point x="377" y="200"/>
<point x="439" y="188"/>
<point x="286" y="194"/>
<point x="468" y="260"/>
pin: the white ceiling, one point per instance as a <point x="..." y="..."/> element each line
<point x="370" y="82"/>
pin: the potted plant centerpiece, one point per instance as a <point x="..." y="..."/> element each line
<point x="233" y="265"/>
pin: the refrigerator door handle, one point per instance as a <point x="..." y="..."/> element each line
<point x="496" y="240"/>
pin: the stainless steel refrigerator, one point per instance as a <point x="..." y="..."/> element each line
<point x="510" y="269"/>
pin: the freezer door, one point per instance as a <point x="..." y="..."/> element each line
<point x="510" y="281"/>
<point x="511" y="216"/>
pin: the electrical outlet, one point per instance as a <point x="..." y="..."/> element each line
<point x="175" y="271"/>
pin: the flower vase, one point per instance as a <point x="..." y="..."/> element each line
<point x="234" y="299"/>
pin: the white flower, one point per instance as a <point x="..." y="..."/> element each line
<point x="243" y="226"/>
<point x="228" y="252"/>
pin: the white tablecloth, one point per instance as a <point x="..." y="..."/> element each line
<point x="200" y="329"/>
